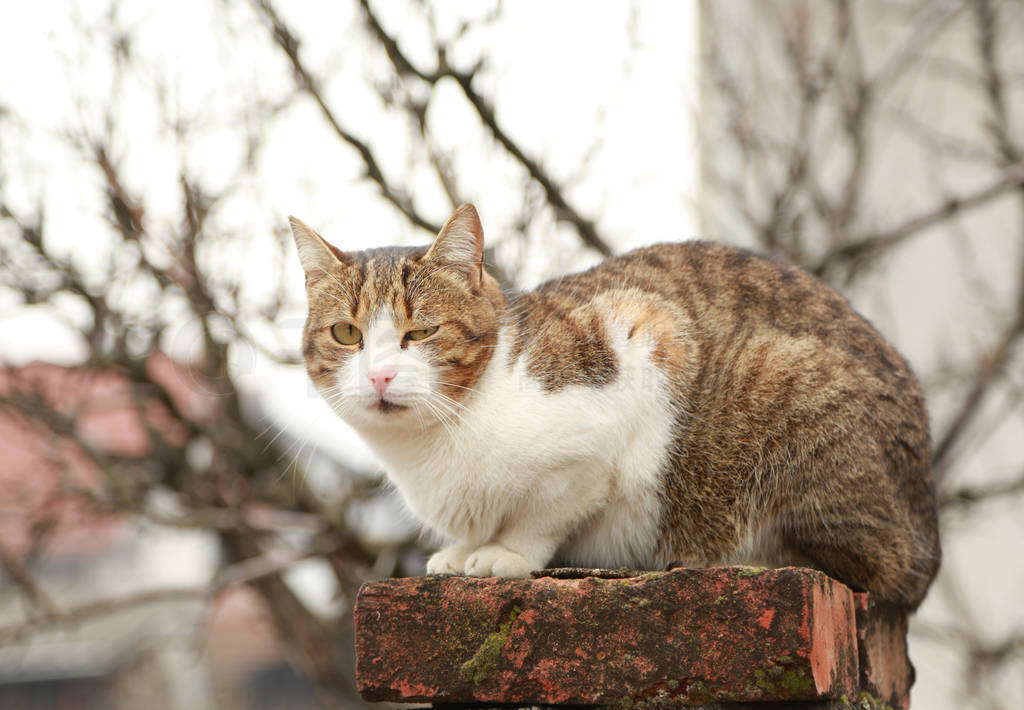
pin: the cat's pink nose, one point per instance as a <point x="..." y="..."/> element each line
<point x="380" y="377"/>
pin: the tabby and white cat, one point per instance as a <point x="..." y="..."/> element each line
<point x="688" y="403"/>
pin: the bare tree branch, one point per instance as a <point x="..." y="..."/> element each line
<point x="85" y="612"/>
<point x="35" y="593"/>
<point x="249" y="570"/>
<point x="967" y="496"/>
<point x="860" y="251"/>
<point x="554" y="193"/>
<point x="990" y="364"/>
<point x="289" y="44"/>
<point x="990" y="367"/>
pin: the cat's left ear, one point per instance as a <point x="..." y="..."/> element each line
<point x="461" y="242"/>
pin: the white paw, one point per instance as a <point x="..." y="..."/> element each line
<point x="449" y="560"/>
<point x="497" y="561"/>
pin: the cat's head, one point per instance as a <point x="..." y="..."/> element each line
<point x="399" y="335"/>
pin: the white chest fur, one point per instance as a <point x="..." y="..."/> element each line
<point x="575" y="471"/>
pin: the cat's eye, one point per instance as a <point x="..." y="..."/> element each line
<point x="346" y="333"/>
<point x="421" y="333"/>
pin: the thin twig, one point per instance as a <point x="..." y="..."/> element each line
<point x="249" y="570"/>
<point x="967" y="496"/>
<point x="32" y="589"/>
<point x="289" y="44"/>
<point x="991" y="364"/>
<point x="858" y="251"/>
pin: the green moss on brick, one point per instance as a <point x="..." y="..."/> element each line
<point x="468" y="637"/>
<point x="751" y="571"/>
<point x="698" y="691"/>
<point x="776" y="680"/>
<point x="483" y="662"/>
<point x="795" y="682"/>
<point x="866" y="701"/>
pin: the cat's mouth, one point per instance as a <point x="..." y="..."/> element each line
<point x="385" y="407"/>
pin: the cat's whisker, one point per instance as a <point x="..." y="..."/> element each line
<point x="270" y="443"/>
<point x="345" y="286"/>
<point x="335" y="399"/>
<point x="455" y="409"/>
<point x="292" y="466"/>
<point x="419" y="416"/>
<point x="445" y="401"/>
<point x="448" y="403"/>
<point x="458" y="442"/>
<point x="293" y="463"/>
<point x="325" y="292"/>
<point x="267" y="428"/>
<point x="452" y="403"/>
<point x="445" y="422"/>
<point x="336" y="395"/>
<point x="438" y="290"/>
<point x="453" y="440"/>
<point x="452" y="384"/>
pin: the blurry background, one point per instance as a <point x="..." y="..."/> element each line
<point x="183" y="525"/>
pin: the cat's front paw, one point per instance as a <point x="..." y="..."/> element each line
<point x="497" y="561"/>
<point x="449" y="560"/>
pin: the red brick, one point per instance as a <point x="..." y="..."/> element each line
<point x="691" y="635"/>
<point x="885" y="669"/>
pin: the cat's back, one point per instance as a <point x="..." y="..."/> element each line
<point x="734" y="330"/>
<point x="709" y="281"/>
<point x="718" y="295"/>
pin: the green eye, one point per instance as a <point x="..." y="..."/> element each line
<point x="346" y="333"/>
<point x="421" y="333"/>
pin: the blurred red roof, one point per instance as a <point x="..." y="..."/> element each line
<point x="46" y="480"/>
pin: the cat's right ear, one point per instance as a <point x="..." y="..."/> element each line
<point x="461" y="243"/>
<point x="315" y="254"/>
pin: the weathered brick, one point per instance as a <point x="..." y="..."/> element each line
<point x="885" y="669"/>
<point x="688" y="636"/>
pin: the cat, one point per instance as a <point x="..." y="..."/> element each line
<point x="684" y="403"/>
